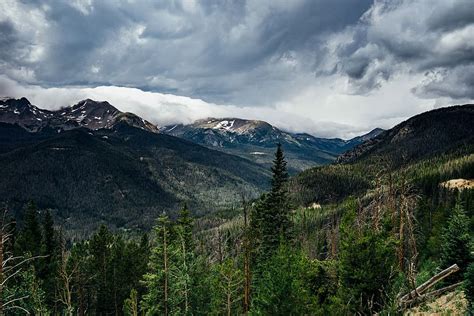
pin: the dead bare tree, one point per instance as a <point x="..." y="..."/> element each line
<point x="397" y="199"/>
<point x="10" y="266"/>
<point x="420" y="294"/>
<point x="247" y="249"/>
<point x="67" y="272"/>
<point x="407" y="248"/>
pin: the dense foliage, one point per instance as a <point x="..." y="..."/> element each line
<point x="370" y="237"/>
<point x="111" y="176"/>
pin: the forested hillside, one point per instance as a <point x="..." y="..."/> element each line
<point x="255" y="140"/>
<point x="124" y="177"/>
<point x="367" y="236"/>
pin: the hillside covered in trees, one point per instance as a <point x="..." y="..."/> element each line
<point x="124" y="177"/>
<point x="380" y="233"/>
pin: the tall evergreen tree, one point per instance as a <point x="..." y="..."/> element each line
<point x="456" y="242"/>
<point x="271" y="215"/>
<point x="130" y="305"/>
<point x="366" y="261"/>
<point x="30" y="237"/>
<point x="138" y="256"/>
<point x="186" y="222"/>
<point x="279" y="288"/>
<point x="100" y="251"/>
<point x="227" y="282"/>
<point x="280" y="174"/>
<point x="49" y="265"/>
<point x="185" y="258"/>
<point x="157" y="300"/>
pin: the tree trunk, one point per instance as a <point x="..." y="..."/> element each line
<point x="1" y="271"/>
<point x="430" y="283"/>
<point x="246" y="264"/>
<point x="165" y="254"/>
<point x="431" y="295"/>
<point x="186" y="294"/>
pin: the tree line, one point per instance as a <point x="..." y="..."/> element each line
<point x="377" y="256"/>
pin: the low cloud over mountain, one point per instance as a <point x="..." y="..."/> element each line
<point x="298" y="64"/>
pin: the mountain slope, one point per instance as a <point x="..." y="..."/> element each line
<point x="256" y="140"/>
<point x="429" y="148"/>
<point x="120" y="174"/>
<point x="421" y="136"/>
<point x="87" y="113"/>
<point x="250" y="139"/>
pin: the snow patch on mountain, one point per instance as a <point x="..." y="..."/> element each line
<point x="88" y="113"/>
<point x="225" y="125"/>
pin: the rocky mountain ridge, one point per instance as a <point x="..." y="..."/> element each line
<point x="256" y="140"/>
<point x="88" y="114"/>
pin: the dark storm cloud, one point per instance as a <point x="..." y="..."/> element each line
<point x="8" y="41"/>
<point x="358" y="63"/>
<point x="416" y="36"/>
<point x="180" y="46"/>
<point x="457" y="82"/>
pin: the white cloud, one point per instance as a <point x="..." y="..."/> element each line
<point x="335" y="114"/>
<point x="330" y="68"/>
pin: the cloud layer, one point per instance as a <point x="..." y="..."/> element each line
<point x="333" y="68"/>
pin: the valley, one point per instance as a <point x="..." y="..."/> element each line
<point x="107" y="179"/>
<point x="251" y="158"/>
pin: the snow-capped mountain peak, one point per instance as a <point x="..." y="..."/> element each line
<point x="87" y="113"/>
<point x="256" y="140"/>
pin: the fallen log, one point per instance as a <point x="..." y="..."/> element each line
<point x="430" y="295"/>
<point x="428" y="284"/>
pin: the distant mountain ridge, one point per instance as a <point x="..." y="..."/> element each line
<point x="251" y="139"/>
<point x="428" y="148"/>
<point x="123" y="176"/>
<point x="256" y="140"/>
<point x="420" y="136"/>
<point x="87" y="113"/>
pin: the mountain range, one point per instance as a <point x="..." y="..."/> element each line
<point x="419" y="137"/>
<point x="87" y="113"/>
<point x="251" y="139"/>
<point x="91" y="163"/>
<point x="428" y="149"/>
<point x="255" y="140"/>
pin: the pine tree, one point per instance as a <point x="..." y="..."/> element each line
<point x="456" y="242"/>
<point x="29" y="239"/>
<point x="138" y="256"/>
<point x="157" y="301"/>
<point x="366" y="261"/>
<point x="172" y="274"/>
<point x="184" y="258"/>
<point x="469" y="286"/>
<point x="49" y="264"/>
<point x="49" y="236"/>
<point x="280" y="174"/>
<point x="186" y="222"/>
<point x="227" y="282"/>
<point x="201" y="294"/>
<point x="271" y="215"/>
<point x="100" y="250"/>
<point x="130" y="306"/>
<point x="121" y="272"/>
<point x="279" y="288"/>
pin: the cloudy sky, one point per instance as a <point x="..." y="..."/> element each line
<point x="328" y="67"/>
